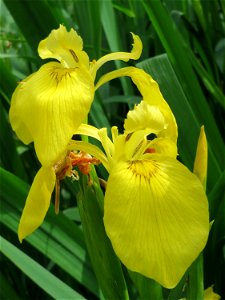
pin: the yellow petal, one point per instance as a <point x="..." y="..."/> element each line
<point x="52" y="104"/>
<point x="106" y="142"/>
<point x="164" y="146"/>
<point x="37" y="202"/>
<point x="151" y="94"/>
<point x="156" y="216"/>
<point x="66" y="47"/>
<point x="85" y="129"/>
<point x="135" y="144"/>
<point x="17" y="122"/>
<point x="125" y="56"/>
<point x="201" y="158"/>
<point x="210" y="295"/>
<point x="145" y="116"/>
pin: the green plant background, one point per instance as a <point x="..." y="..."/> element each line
<point x="184" y="51"/>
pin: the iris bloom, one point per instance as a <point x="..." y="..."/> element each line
<point x="49" y="105"/>
<point x="155" y="209"/>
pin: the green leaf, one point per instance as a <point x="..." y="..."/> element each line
<point x="216" y="196"/>
<point x="177" y="51"/>
<point x="128" y="12"/>
<point x="176" y="293"/>
<point x="105" y="263"/>
<point x="43" y="278"/>
<point x="9" y="157"/>
<point x="113" y="36"/>
<point x="60" y="236"/>
<point x="9" y="83"/>
<point x="6" y="289"/>
<point x="195" y="287"/>
<point x="29" y="16"/>
<point x="218" y="247"/>
<point x="88" y="16"/>
<point x="148" y="288"/>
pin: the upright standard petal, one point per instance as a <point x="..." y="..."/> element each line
<point x="145" y="116"/>
<point x="37" y="202"/>
<point x="66" y="47"/>
<point x="156" y="216"/>
<point x="51" y="104"/>
<point x="151" y="94"/>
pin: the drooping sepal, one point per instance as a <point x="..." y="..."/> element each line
<point x="156" y="216"/>
<point x="37" y="202"/>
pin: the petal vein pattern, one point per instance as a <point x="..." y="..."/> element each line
<point x="66" y="47"/>
<point x="151" y="94"/>
<point x="37" y="202"/>
<point x="48" y="106"/>
<point x="60" y="100"/>
<point x="147" y="202"/>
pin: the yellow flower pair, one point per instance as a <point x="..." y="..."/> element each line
<point x="155" y="209"/>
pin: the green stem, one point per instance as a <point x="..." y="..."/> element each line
<point x="147" y="288"/>
<point x="195" y="288"/>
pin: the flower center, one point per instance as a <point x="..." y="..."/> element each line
<point x="144" y="168"/>
<point x="59" y="74"/>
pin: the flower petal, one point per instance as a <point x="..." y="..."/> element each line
<point x="89" y="130"/>
<point x="210" y="295"/>
<point x="151" y="94"/>
<point x="52" y="104"/>
<point x="125" y="56"/>
<point x="37" y="202"/>
<point x="201" y="158"/>
<point x="145" y="116"/>
<point x="64" y="46"/>
<point x="163" y="146"/>
<point x="17" y="122"/>
<point x="156" y="216"/>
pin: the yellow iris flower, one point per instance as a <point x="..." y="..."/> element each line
<point x="155" y="209"/>
<point x="49" y="105"/>
<point x="209" y="294"/>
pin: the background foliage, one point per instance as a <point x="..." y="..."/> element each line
<point x="184" y="51"/>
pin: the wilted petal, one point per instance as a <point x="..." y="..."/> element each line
<point x="37" y="202"/>
<point x="156" y="216"/>
<point x="51" y="104"/>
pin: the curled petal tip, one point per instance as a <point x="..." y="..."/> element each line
<point x="137" y="46"/>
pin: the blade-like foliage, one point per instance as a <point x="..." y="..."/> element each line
<point x="183" y="50"/>
<point x="48" y="282"/>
